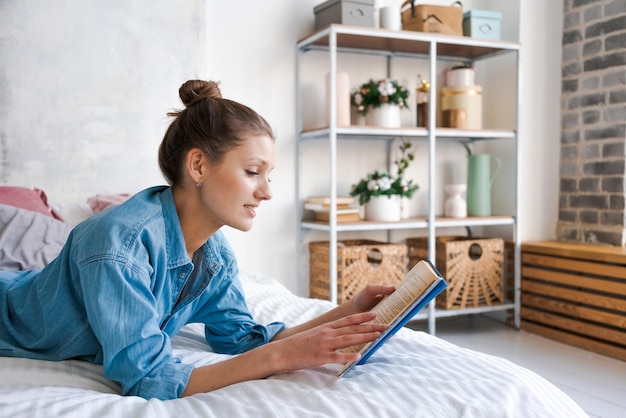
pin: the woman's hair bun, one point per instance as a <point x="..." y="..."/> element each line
<point x="192" y="91"/>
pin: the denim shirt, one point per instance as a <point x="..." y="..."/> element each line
<point x="122" y="286"/>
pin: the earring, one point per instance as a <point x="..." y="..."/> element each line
<point x="199" y="183"/>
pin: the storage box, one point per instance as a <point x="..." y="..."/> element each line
<point x="482" y="24"/>
<point x="447" y="20"/>
<point x="357" y="13"/>
<point x="473" y="268"/>
<point x="359" y="262"/>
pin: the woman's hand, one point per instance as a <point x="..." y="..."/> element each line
<point x="310" y="347"/>
<point x="368" y="297"/>
<point x="321" y="345"/>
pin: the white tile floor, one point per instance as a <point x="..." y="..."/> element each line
<point x="597" y="383"/>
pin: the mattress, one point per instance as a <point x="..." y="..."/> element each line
<point x="414" y="374"/>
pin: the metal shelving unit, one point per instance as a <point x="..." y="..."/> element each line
<point x="433" y="48"/>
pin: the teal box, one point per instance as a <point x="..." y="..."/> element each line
<point x="483" y="24"/>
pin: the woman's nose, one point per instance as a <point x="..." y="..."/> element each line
<point x="264" y="192"/>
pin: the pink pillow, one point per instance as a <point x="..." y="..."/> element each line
<point x="100" y="202"/>
<point x="30" y="199"/>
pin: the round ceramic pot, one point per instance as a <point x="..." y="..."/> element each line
<point x="386" y="115"/>
<point x="384" y="208"/>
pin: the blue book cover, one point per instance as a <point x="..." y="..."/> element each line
<point x="420" y="285"/>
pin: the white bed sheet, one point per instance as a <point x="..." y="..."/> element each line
<point x="413" y="375"/>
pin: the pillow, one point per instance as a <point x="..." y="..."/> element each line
<point x="31" y="199"/>
<point x="101" y="202"/>
<point x="73" y="213"/>
<point x="29" y="240"/>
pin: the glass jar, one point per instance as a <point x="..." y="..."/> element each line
<point x="421" y="103"/>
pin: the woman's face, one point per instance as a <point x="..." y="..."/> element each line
<point x="235" y="188"/>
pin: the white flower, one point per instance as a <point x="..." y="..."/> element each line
<point x="386" y="87"/>
<point x="358" y="98"/>
<point x="385" y="183"/>
<point x="372" y="185"/>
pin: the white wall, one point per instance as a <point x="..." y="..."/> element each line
<point x="85" y="86"/>
<point x="85" y="89"/>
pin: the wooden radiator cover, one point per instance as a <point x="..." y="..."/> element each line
<point x="576" y="294"/>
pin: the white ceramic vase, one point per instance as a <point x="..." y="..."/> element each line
<point x="386" y="115"/>
<point x="384" y="208"/>
<point x="455" y="205"/>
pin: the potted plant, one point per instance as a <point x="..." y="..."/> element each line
<point x="381" y="101"/>
<point x="381" y="192"/>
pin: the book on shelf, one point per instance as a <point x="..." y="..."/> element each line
<point x="418" y="287"/>
<point x="346" y="212"/>
<point x="343" y="215"/>
<point x="324" y="201"/>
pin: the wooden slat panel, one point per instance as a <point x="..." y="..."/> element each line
<point x="574" y="280"/>
<point x="567" y="264"/>
<point x="576" y="294"/>
<point x="574" y="310"/>
<point x="575" y="340"/>
<point x="614" y="303"/>
<point x="578" y="327"/>
<point x="601" y="253"/>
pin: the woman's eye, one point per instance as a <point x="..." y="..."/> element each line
<point x="252" y="173"/>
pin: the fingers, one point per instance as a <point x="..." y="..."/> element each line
<point x="379" y="289"/>
<point x="347" y="340"/>
<point x="321" y="344"/>
<point x="354" y="319"/>
<point x="354" y="329"/>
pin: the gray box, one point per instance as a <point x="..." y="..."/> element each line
<point x="356" y="13"/>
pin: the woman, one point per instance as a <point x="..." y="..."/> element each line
<point x="131" y="277"/>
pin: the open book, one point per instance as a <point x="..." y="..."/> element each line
<point x="420" y="285"/>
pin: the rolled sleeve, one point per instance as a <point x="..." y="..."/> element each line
<point x="249" y="335"/>
<point x="168" y="382"/>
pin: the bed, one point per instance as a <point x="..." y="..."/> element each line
<point x="415" y="374"/>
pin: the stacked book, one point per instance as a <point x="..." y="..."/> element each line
<point x="346" y="209"/>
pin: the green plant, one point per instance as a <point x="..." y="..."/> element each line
<point x="379" y="183"/>
<point x="376" y="93"/>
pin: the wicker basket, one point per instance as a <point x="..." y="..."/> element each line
<point x="359" y="262"/>
<point x="473" y="268"/>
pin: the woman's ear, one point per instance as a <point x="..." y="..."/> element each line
<point x="196" y="165"/>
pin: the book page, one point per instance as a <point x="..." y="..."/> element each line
<point x="415" y="283"/>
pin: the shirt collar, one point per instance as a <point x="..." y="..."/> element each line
<point x="175" y="241"/>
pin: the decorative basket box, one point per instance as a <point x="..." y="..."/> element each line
<point x="359" y="262"/>
<point x="482" y="24"/>
<point x="432" y="18"/>
<point x="357" y="13"/>
<point x="473" y="268"/>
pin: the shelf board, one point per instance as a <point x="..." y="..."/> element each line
<point x="406" y="42"/>
<point x="411" y="223"/>
<point x="376" y="132"/>
<point x="443" y="313"/>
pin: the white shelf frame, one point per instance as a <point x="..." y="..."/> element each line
<point x="434" y="48"/>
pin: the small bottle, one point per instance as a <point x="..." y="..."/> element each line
<point x="423" y="93"/>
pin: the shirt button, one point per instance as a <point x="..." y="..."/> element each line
<point x="182" y="275"/>
<point x="213" y="266"/>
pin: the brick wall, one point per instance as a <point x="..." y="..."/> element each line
<point x="593" y="123"/>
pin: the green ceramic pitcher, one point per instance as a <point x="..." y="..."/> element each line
<point x="480" y="175"/>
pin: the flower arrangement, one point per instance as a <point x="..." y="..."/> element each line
<point x="376" y="93"/>
<point x="383" y="183"/>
